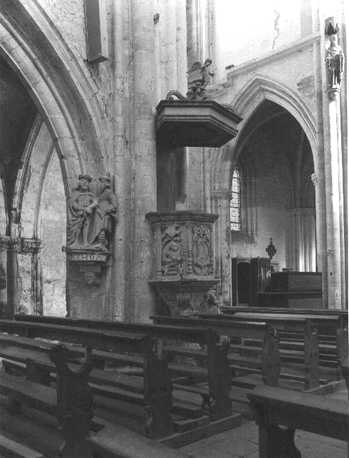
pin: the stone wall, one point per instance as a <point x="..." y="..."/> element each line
<point x="245" y="36"/>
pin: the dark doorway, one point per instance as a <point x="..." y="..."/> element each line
<point x="244" y="282"/>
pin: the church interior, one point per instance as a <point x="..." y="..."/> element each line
<point x="174" y="229"/>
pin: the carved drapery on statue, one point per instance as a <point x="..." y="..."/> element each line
<point x="92" y="215"/>
<point x="334" y="56"/>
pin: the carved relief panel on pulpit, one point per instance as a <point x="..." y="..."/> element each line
<point x="182" y="245"/>
<point x="202" y="249"/>
<point x="172" y="249"/>
<point x="183" y="262"/>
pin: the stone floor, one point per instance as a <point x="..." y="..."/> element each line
<point x="242" y="442"/>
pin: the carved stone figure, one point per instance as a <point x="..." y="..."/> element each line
<point x="105" y="215"/>
<point x="202" y="259"/>
<point x="91" y="216"/>
<point x="171" y="259"/>
<point x="81" y="214"/>
<point x="199" y="77"/>
<point x="334" y="58"/>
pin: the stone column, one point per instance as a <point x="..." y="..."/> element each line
<point x="12" y="274"/>
<point x="222" y="244"/>
<point x="333" y="174"/>
<point x="143" y="150"/>
<point x="168" y="46"/>
<point x="333" y="179"/>
<point x="36" y="283"/>
<point x="320" y="252"/>
<point x="123" y="76"/>
<point x="181" y="41"/>
<point x="193" y="30"/>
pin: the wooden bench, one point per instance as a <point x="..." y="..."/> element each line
<point x="74" y="394"/>
<point x="286" y="311"/>
<point x="301" y="364"/>
<point x="215" y="404"/>
<point x="330" y="331"/>
<point x="329" y="321"/>
<point x="280" y="412"/>
<point x="215" y="370"/>
<point x="262" y="366"/>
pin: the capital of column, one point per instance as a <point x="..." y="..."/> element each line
<point x="333" y="93"/>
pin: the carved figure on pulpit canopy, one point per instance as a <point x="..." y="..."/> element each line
<point x="105" y="214"/>
<point x="199" y="77"/>
<point x="81" y="206"/>
<point x="334" y="57"/>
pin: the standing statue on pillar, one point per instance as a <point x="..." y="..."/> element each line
<point x="105" y="214"/>
<point x="81" y="206"/>
<point x="334" y="57"/>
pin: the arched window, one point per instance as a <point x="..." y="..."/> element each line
<point x="235" y="201"/>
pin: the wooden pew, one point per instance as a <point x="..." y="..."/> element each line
<point x="216" y="404"/>
<point x="305" y="360"/>
<point x="332" y="320"/>
<point x="275" y="407"/>
<point x="72" y="385"/>
<point x="292" y="330"/>
<point x="267" y="361"/>
<point x="216" y="372"/>
<point x="285" y="311"/>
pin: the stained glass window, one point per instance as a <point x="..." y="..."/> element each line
<point x="235" y="201"/>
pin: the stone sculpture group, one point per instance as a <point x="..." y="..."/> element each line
<point x="92" y="214"/>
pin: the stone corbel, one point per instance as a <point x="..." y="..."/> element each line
<point x="28" y="245"/>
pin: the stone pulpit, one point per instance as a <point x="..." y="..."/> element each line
<point x="183" y="261"/>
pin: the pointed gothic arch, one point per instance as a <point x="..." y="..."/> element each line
<point x="258" y="90"/>
<point x="248" y="99"/>
<point x="58" y="85"/>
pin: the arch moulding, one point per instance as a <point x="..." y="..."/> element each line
<point x="58" y="86"/>
<point x="245" y="103"/>
<point x="247" y="100"/>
